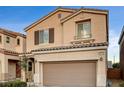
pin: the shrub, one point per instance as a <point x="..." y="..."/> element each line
<point x="16" y="83"/>
<point x="116" y="65"/>
<point x="121" y="85"/>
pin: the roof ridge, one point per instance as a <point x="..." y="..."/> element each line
<point x="95" y="9"/>
<point x="81" y="9"/>
<point x="67" y="8"/>
<point x="59" y="8"/>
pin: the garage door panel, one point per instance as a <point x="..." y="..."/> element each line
<point x="69" y="74"/>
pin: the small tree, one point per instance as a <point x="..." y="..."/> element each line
<point x="23" y="63"/>
<point x="116" y="65"/>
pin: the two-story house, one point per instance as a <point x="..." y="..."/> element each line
<point x="69" y="47"/>
<point x="11" y="44"/>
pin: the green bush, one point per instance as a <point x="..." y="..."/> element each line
<point x="121" y="85"/>
<point x="16" y="83"/>
<point x="116" y="65"/>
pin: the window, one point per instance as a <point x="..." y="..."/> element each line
<point x="7" y="39"/>
<point x="83" y="30"/>
<point x="18" y="41"/>
<point x="44" y="36"/>
<point x="29" y="66"/>
<point x="0" y="39"/>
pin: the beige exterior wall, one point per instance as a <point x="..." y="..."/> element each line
<point x="11" y="70"/>
<point x="81" y="55"/>
<point x="2" y="44"/>
<point x="5" y="66"/>
<point x="98" y="27"/>
<point x="12" y="46"/>
<point x="22" y="47"/>
<point x="2" y="58"/>
<point x="65" y="33"/>
<point x="51" y="22"/>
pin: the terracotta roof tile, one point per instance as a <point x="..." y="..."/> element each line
<point x="71" y="47"/>
<point x="8" y="52"/>
<point x="12" y="33"/>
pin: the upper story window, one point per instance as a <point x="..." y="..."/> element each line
<point x="7" y="39"/>
<point x="18" y="41"/>
<point x="44" y="36"/>
<point x="0" y="39"/>
<point x="83" y="30"/>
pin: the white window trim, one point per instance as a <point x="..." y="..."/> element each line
<point x="76" y="31"/>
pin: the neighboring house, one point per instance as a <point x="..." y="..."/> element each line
<point x="121" y="43"/>
<point x="69" y="48"/>
<point x="110" y="64"/>
<point x="11" y="44"/>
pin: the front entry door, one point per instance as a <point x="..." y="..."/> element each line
<point x="30" y="72"/>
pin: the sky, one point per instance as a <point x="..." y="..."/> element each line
<point x="16" y="18"/>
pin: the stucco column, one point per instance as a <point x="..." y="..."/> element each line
<point x="4" y="70"/>
<point x="101" y="70"/>
<point x="38" y="76"/>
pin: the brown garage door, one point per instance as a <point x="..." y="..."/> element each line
<point x="69" y="74"/>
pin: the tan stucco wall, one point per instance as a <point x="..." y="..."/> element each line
<point x="98" y="27"/>
<point x="73" y="56"/>
<point x="13" y="44"/>
<point x="4" y="65"/>
<point x="2" y="44"/>
<point x="66" y="56"/>
<point x="51" y="22"/>
<point x="65" y="33"/>
<point x="11" y="70"/>
<point x="22" y="47"/>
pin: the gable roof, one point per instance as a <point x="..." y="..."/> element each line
<point x="73" y="11"/>
<point x="11" y="33"/>
<point x="86" y="10"/>
<point x="50" y="14"/>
